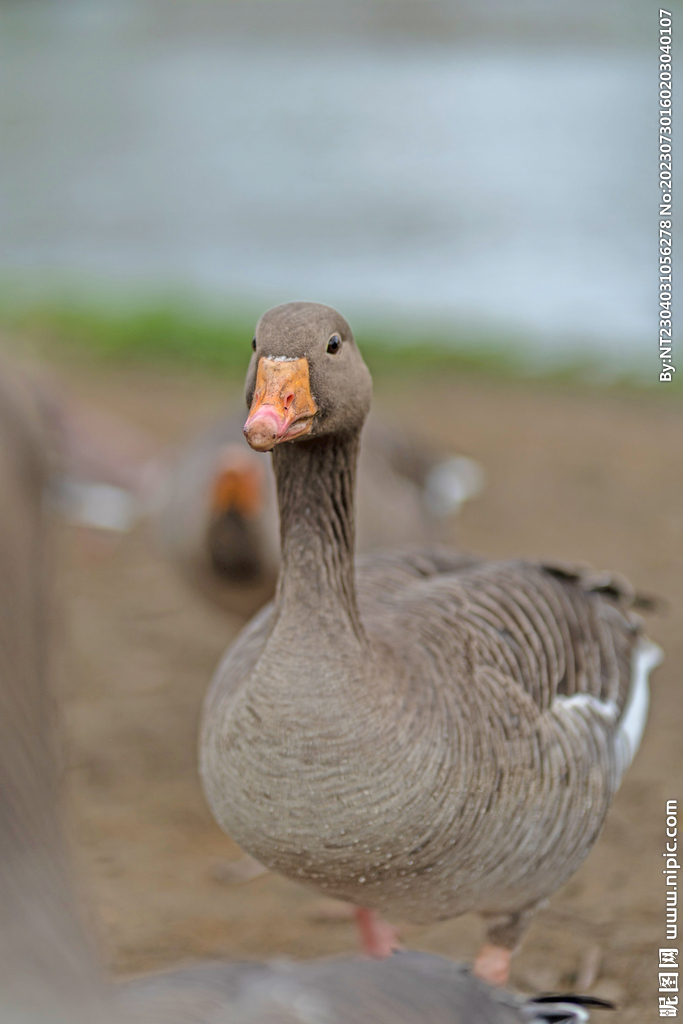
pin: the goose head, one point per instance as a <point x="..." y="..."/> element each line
<point x="306" y="377"/>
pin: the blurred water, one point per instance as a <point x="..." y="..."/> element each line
<point x="499" y="185"/>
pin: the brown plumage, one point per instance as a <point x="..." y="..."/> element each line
<point x="48" y="971"/>
<point x="421" y="733"/>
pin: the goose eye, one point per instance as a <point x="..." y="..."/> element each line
<point x="253" y="344"/>
<point x="334" y="344"/>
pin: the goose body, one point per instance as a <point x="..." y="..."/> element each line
<point x="482" y="794"/>
<point x="48" y="969"/>
<point x="420" y="733"/>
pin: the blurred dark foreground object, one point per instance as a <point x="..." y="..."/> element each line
<point x="405" y="989"/>
<point x="49" y="972"/>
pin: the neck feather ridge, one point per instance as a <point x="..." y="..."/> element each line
<point x="316" y="489"/>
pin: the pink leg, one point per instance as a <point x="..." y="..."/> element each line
<point x="378" y="938"/>
<point x="493" y="964"/>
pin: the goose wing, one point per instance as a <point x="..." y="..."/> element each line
<point x="564" y="637"/>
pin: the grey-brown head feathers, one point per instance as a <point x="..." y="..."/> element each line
<point x="339" y="379"/>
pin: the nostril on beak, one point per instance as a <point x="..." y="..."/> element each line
<point x="289" y="399"/>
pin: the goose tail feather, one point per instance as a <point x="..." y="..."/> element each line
<point x="563" y="1009"/>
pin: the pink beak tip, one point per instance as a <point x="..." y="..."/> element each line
<point x="262" y="429"/>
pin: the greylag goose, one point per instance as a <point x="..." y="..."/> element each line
<point x="409" y="988"/>
<point x="421" y="733"/>
<point x="48" y="970"/>
<point x="218" y="520"/>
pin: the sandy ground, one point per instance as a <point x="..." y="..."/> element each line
<point x="572" y="475"/>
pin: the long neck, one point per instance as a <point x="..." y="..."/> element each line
<point x="316" y="487"/>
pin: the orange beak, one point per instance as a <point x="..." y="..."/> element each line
<point x="237" y="484"/>
<point x="283" y="407"/>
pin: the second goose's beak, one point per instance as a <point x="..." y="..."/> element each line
<point x="237" y="484"/>
<point x="283" y="407"/>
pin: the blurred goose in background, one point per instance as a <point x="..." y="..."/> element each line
<point x="49" y="972"/>
<point x="218" y="515"/>
<point x="421" y="733"/>
<point x="212" y="502"/>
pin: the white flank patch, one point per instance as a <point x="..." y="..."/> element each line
<point x="632" y="723"/>
<point x="581" y="701"/>
<point x="451" y="482"/>
<point x="102" y="506"/>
